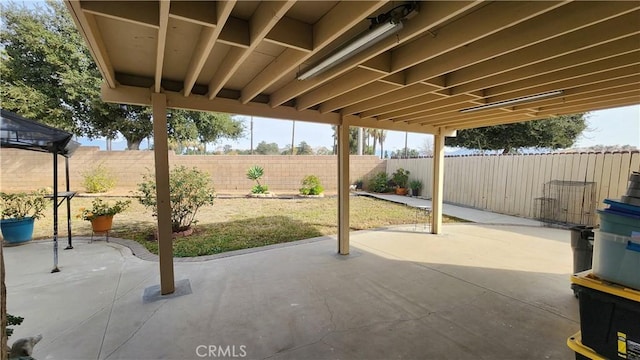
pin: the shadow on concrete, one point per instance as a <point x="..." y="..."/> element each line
<point x="304" y="302"/>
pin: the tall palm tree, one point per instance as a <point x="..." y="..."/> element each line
<point x="382" y="136"/>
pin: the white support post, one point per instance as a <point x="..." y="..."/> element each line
<point x="343" y="188"/>
<point x="438" y="182"/>
<point x="161" y="152"/>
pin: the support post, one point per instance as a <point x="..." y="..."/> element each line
<point x="55" y="212"/>
<point x="161" y="152"/>
<point x="343" y="188"/>
<point x="68" y="190"/>
<point x="438" y="182"/>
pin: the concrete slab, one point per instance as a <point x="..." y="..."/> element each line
<point x="479" y="291"/>
<point x="461" y="212"/>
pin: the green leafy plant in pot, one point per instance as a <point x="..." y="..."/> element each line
<point x="415" y="186"/>
<point x="19" y="210"/>
<point x="101" y="213"/>
<point x="401" y="178"/>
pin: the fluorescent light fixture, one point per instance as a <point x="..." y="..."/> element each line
<point x="513" y="101"/>
<point x="367" y="40"/>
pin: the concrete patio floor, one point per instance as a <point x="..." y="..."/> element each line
<point x="475" y="292"/>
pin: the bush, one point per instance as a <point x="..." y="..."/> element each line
<point x="259" y="189"/>
<point x="379" y="182"/>
<point x="98" y="179"/>
<point x="311" y="186"/>
<point x="190" y="189"/>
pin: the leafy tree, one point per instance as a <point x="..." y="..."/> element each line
<point x="322" y="150"/>
<point x="555" y="133"/>
<point x="47" y="74"/>
<point x="45" y="70"/>
<point x="304" y="149"/>
<point x="267" y="149"/>
<point x="400" y="154"/>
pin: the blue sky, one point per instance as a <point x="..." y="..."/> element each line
<point x="619" y="126"/>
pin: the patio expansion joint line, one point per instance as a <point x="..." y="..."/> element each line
<point x="115" y="297"/>
<point x="135" y="332"/>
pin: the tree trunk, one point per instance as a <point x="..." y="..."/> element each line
<point x="506" y="151"/>
<point x="375" y="140"/>
<point x="381" y="149"/>
<point x="133" y="144"/>
<point x="293" y="137"/>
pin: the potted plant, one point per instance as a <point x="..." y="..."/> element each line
<point x="101" y="213"/>
<point x="19" y="210"/>
<point x="415" y="186"/>
<point x="401" y="178"/>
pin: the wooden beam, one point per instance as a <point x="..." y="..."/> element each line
<point x="163" y="14"/>
<point x="428" y="108"/>
<point x="387" y="125"/>
<point x="489" y="19"/>
<point x="335" y="23"/>
<point x="337" y="88"/>
<point x="263" y="20"/>
<point x="571" y="82"/>
<point x="207" y="39"/>
<point x="599" y="53"/>
<point x="605" y="65"/>
<point x="145" y="13"/>
<point x="574" y="45"/>
<point x="90" y="32"/>
<point x="388" y="99"/>
<point x="568" y="18"/>
<point x="293" y="34"/>
<point x="203" y="13"/>
<point x="376" y="88"/>
<point x="163" y="196"/>
<point x="432" y="14"/>
<point x="400" y="105"/>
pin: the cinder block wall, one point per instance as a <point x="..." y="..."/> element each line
<point x="27" y="170"/>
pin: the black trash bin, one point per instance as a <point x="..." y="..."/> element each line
<point x="582" y="246"/>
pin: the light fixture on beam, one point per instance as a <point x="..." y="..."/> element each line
<point x="513" y="101"/>
<point x="356" y="46"/>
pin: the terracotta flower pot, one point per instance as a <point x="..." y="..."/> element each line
<point x="102" y="223"/>
<point x="401" y="191"/>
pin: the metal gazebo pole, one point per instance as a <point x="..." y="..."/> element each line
<point x="66" y="170"/>
<point x="55" y="212"/>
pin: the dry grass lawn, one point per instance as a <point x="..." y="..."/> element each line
<point x="239" y="223"/>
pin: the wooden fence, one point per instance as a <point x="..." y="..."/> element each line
<point x="561" y="187"/>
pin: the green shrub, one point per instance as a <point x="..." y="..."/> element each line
<point x="190" y="189"/>
<point x="259" y="189"/>
<point x="255" y="173"/>
<point x="12" y="320"/>
<point x="98" y="179"/>
<point x="379" y="182"/>
<point x="311" y="186"/>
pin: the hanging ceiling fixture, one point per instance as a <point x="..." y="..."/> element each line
<point x="513" y="101"/>
<point x="382" y="26"/>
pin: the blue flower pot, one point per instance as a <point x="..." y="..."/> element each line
<point x="16" y="231"/>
